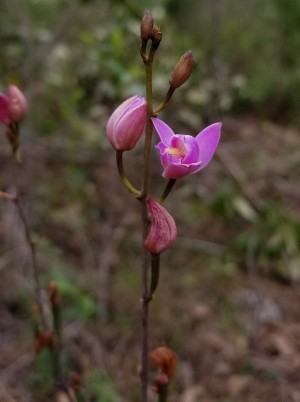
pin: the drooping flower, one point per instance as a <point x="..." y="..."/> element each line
<point x="182" y="154"/>
<point x="163" y="231"/>
<point x="125" y="126"/>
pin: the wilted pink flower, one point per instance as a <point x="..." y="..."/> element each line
<point x="126" y="124"/>
<point x="17" y="103"/>
<point x="182" y="154"/>
<point x="164" y="358"/>
<point x="4" y="109"/>
<point x="163" y="229"/>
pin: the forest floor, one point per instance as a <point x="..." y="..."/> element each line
<point x="227" y="301"/>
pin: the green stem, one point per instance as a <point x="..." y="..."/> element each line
<point x="145" y="219"/>
<point x="13" y="137"/>
<point x="143" y="50"/>
<point x="164" y="103"/>
<point x="167" y="190"/>
<point x="149" y="126"/>
<point x="163" y="393"/>
<point x="34" y="264"/>
<point x="155" y="265"/>
<point x="123" y="177"/>
<point x="79" y="396"/>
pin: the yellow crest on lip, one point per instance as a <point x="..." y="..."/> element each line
<point x="180" y="150"/>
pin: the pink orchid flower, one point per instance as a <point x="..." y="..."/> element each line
<point x="182" y="154"/>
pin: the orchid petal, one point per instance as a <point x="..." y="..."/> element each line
<point x="176" y="171"/>
<point x="164" y="132"/>
<point x="208" y="140"/>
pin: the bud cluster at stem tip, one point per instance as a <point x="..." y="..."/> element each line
<point x="149" y="31"/>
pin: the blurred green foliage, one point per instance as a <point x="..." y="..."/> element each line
<point x="76" y="60"/>
<point x="79" y="57"/>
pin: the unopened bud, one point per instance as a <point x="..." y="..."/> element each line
<point x="147" y="26"/>
<point x="17" y="103"/>
<point x="163" y="231"/>
<point x="156" y="37"/>
<point x="182" y="70"/>
<point x="125" y="126"/>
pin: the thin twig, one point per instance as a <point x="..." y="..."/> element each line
<point x="35" y="269"/>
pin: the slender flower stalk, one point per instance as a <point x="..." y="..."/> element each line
<point x="126" y="182"/>
<point x="155" y="268"/>
<point x="167" y="190"/>
<point x="165" y="102"/>
<point x="30" y="244"/>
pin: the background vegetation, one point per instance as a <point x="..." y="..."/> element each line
<point x="228" y="300"/>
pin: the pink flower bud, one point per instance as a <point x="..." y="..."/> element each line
<point x="163" y="229"/>
<point x="4" y="110"/>
<point x="147" y="26"/>
<point x="182" y="70"/>
<point x="125" y="126"/>
<point x="17" y="103"/>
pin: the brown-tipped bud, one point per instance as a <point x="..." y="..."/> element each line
<point x="156" y="36"/>
<point x="147" y="26"/>
<point x="164" y="358"/>
<point x="182" y="70"/>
